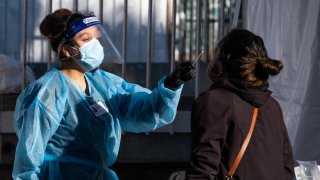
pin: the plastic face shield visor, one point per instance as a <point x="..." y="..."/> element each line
<point x="88" y="28"/>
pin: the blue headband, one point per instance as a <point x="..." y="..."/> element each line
<point x="79" y="25"/>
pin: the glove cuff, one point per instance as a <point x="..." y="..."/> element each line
<point x="173" y="85"/>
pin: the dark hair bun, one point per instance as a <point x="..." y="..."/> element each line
<point x="51" y="27"/>
<point x="269" y="66"/>
<point x="54" y="25"/>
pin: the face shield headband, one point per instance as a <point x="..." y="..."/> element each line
<point x="79" y="25"/>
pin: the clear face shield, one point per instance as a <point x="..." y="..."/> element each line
<point x="94" y="45"/>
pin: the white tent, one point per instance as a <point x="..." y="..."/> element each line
<point x="291" y="31"/>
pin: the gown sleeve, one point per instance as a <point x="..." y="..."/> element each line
<point x="142" y="109"/>
<point x="34" y="125"/>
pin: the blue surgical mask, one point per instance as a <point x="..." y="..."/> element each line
<point x="91" y="55"/>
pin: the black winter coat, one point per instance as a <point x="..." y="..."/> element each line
<point x="221" y="119"/>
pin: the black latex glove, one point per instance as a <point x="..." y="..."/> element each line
<point x="182" y="73"/>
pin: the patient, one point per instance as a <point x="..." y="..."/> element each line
<point x="221" y="117"/>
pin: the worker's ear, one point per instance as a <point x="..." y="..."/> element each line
<point x="65" y="50"/>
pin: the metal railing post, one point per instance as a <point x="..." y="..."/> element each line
<point x="75" y="5"/>
<point x="49" y="46"/>
<point x="149" y="47"/>
<point x="172" y="59"/>
<point x="5" y="40"/>
<point x="206" y="30"/>
<point x="221" y="19"/>
<point x="124" y="38"/>
<point x="101" y="11"/>
<point x="191" y="32"/>
<point x="173" y="35"/>
<point x="198" y="44"/>
<point x="24" y="45"/>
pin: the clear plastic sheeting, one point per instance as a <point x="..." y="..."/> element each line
<point x="10" y="75"/>
<point x="291" y="31"/>
<point x="307" y="170"/>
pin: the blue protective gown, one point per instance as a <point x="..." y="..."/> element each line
<point x="61" y="138"/>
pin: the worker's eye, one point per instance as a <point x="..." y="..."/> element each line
<point x="85" y="39"/>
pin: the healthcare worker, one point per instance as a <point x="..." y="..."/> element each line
<point x="69" y="121"/>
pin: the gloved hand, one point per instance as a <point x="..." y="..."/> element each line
<point x="183" y="72"/>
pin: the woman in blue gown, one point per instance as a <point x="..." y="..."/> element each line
<point x="69" y="121"/>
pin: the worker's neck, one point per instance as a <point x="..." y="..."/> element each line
<point x="76" y="75"/>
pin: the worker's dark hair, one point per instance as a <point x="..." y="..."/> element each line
<point x="54" y="26"/>
<point x="243" y="57"/>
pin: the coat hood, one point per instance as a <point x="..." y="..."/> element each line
<point x="257" y="97"/>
